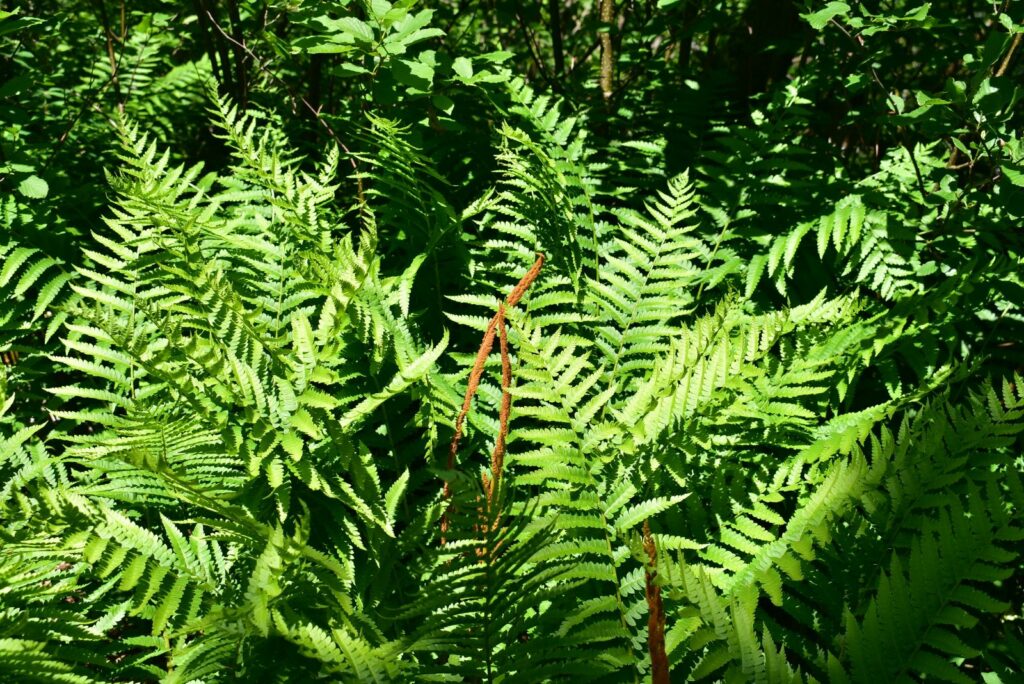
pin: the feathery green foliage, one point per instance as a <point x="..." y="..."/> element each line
<point x="749" y="405"/>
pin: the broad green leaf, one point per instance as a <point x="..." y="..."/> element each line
<point x="463" y="67"/>
<point x="34" y="187"/>
<point x="819" y="19"/>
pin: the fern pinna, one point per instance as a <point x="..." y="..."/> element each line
<point x="247" y="472"/>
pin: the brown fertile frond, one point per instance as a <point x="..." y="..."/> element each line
<point x="476" y="372"/>
<point x="474" y="384"/>
<point x="498" y="457"/>
<point x="524" y="284"/>
<point x="655" y="613"/>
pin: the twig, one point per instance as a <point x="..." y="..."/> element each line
<point x="217" y="53"/>
<point x="637" y="71"/>
<point x="135" y="69"/>
<point x="114" y="62"/>
<point x="584" y="58"/>
<point x="1009" y="55"/>
<point x="954" y="156"/>
<point x="86" y="105"/>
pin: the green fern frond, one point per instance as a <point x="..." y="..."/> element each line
<point x="911" y="626"/>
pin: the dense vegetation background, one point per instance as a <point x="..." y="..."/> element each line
<point x="349" y="340"/>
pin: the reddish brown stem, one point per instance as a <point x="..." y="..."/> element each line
<point x="498" y="457"/>
<point x="655" y="613"/>
<point x="475" y="373"/>
<point x="497" y="323"/>
<point x="519" y="290"/>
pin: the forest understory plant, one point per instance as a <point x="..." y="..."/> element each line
<point x="490" y="342"/>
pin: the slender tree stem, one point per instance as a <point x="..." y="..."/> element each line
<point x="1009" y="55"/>
<point x="238" y="40"/>
<point x="108" y="32"/>
<point x="607" y="56"/>
<point x="222" y="50"/>
<point x="555" y="24"/>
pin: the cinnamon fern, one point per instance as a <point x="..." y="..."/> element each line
<point x="372" y="342"/>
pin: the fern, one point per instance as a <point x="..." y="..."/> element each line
<point x="224" y="431"/>
<point x="936" y="598"/>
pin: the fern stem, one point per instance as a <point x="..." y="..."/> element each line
<point x="1008" y="59"/>
<point x="656" y="612"/>
<point x="498" y="457"/>
<point x="476" y="372"/>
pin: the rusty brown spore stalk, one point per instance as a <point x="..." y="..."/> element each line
<point x="496" y="325"/>
<point x="655" y="612"/>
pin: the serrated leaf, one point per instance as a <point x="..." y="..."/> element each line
<point x="819" y="19"/>
<point x="394" y="495"/>
<point x="463" y="67"/>
<point x="34" y="187"/>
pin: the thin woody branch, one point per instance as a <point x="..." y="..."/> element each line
<point x="607" y="56"/>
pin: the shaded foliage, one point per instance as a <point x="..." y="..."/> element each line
<point x="749" y="401"/>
